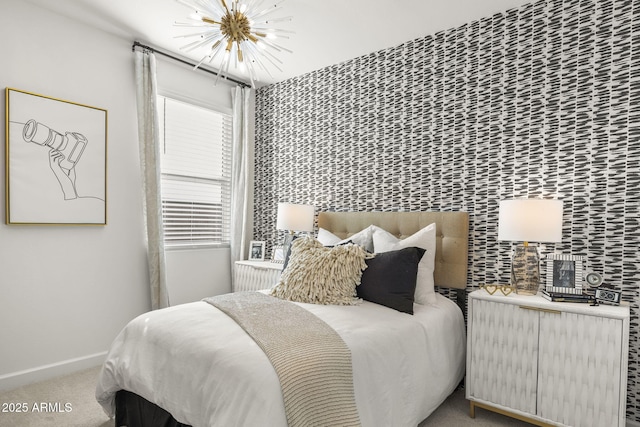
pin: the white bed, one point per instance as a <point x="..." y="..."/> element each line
<point x="200" y="366"/>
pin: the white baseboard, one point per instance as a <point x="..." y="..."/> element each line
<point x="631" y="423"/>
<point x="42" y="373"/>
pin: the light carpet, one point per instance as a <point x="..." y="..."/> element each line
<point x="69" y="401"/>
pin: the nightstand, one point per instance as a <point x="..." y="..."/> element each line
<point x="547" y="363"/>
<point x="255" y="275"/>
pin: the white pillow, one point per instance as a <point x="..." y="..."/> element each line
<point x="383" y="241"/>
<point x="362" y="238"/>
<point x="327" y="238"/>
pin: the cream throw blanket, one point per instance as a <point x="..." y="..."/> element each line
<point x="312" y="362"/>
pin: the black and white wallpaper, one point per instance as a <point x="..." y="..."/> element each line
<point x="539" y="101"/>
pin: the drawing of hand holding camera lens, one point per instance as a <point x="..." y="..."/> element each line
<point x="64" y="154"/>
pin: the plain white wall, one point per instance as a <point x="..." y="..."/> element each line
<point x="196" y="274"/>
<point x="66" y="291"/>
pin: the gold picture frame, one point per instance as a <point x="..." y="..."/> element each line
<point x="56" y="161"/>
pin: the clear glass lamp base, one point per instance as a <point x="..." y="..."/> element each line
<point x="286" y="245"/>
<point x="525" y="270"/>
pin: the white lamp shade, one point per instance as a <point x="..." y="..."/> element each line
<point x="293" y="217"/>
<point x="530" y="220"/>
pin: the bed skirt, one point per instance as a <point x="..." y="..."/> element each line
<point x="135" y="411"/>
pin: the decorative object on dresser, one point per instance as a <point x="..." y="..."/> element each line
<point x="493" y="288"/>
<point x="608" y="296"/>
<point x="277" y="254"/>
<point x="294" y="217"/>
<point x="547" y="363"/>
<point x="255" y="275"/>
<point x="605" y="294"/>
<point x="560" y="297"/>
<point x="529" y="220"/>
<point x="564" y="274"/>
<point x="593" y="279"/>
<point x="256" y="250"/>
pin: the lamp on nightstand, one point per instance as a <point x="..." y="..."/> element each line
<point x="294" y="217"/>
<point x="529" y="220"/>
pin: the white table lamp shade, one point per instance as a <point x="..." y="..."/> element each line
<point x="530" y="220"/>
<point x="295" y="217"/>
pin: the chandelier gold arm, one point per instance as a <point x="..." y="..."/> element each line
<point x="239" y="51"/>
<point x="224" y="4"/>
<point x="210" y="21"/>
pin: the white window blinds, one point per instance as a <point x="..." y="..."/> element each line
<point x="196" y="174"/>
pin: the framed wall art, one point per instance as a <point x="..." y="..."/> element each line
<point x="564" y="274"/>
<point x="56" y="161"/>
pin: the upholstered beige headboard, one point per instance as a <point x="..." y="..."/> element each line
<point x="452" y="231"/>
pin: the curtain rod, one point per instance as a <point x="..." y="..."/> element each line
<point x="175" y="58"/>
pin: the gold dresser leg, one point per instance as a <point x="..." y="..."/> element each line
<point x="472" y="410"/>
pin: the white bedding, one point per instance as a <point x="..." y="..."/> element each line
<point x="198" y="364"/>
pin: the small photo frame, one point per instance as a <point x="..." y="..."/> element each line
<point x="277" y="254"/>
<point x="564" y="274"/>
<point x="256" y="250"/>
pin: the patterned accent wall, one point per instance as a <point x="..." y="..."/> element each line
<point x="539" y="101"/>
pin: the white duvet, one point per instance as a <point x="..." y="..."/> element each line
<point x="199" y="365"/>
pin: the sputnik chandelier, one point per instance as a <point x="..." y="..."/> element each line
<point x="240" y="32"/>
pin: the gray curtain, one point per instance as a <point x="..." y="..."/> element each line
<point x="242" y="173"/>
<point x="148" y="136"/>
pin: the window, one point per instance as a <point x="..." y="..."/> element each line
<point x="196" y="174"/>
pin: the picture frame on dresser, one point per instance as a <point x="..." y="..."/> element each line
<point x="564" y="274"/>
<point x="256" y="250"/>
<point x="277" y="254"/>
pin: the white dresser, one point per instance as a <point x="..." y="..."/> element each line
<point x="548" y="363"/>
<point x="255" y="275"/>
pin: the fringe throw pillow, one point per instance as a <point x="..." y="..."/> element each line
<point x="320" y="275"/>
